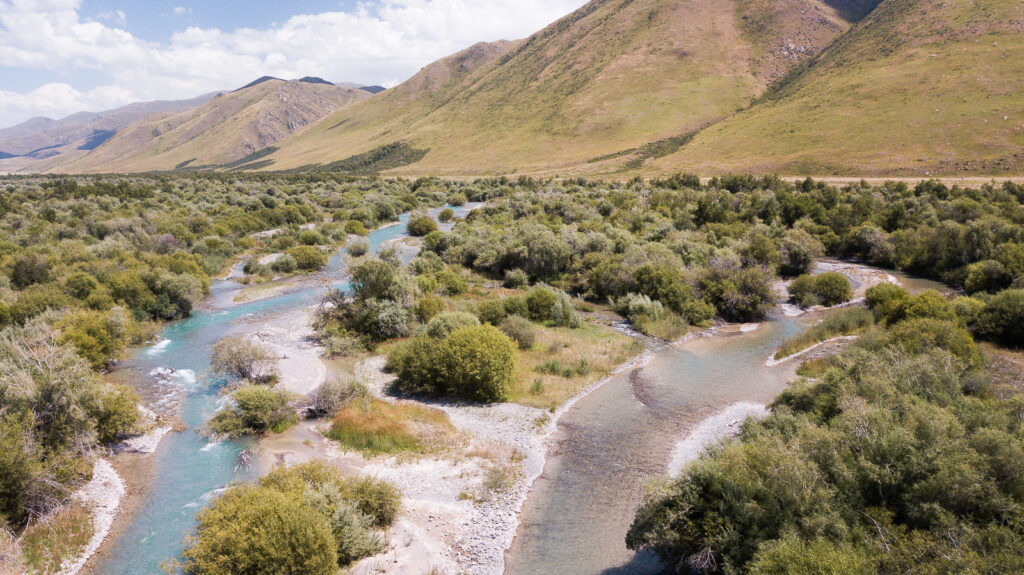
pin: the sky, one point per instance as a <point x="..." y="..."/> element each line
<point x="58" y="57"/>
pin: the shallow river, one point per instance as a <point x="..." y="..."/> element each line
<point x="189" y="470"/>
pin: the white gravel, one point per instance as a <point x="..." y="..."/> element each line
<point x="725" y="423"/>
<point x="103" y="495"/>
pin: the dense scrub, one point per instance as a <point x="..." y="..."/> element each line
<point x="904" y="456"/>
<point x="302" y="519"/>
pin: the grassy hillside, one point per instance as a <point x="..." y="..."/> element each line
<point x="228" y="128"/>
<point x="610" y="77"/>
<point x="917" y="88"/>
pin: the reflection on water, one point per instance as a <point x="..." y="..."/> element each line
<point x="612" y="441"/>
<point x="188" y="471"/>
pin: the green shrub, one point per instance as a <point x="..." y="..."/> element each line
<point x="451" y="282"/>
<point x="384" y="319"/>
<point x="920" y="334"/>
<point x="516" y="279"/>
<point x="516" y="305"/>
<point x="1002" y="319"/>
<point x="886" y="301"/>
<point x="579" y="368"/>
<point x="491" y="311"/>
<point x="987" y="276"/>
<point x="426" y="263"/>
<point x="420" y="225"/>
<point x="310" y="238"/>
<point x="335" y="392"/>
<point x="478" y="363"/>
<point x="446" y="215"/>
<point x="242" y="358"/>
<point x="474" y="363"/>
<point x="252" y="529"/>
<point x="427" y="307"/>
<point x="356" y="227"/>
<point x="97" y="336"/>
<point x="801" y="291"/>
<point x="539" y="301"/>
<point x="520" y="330"/>
<point x="358" y="247"/>
<point x="256" y="409"/>
<point x="284" y="264"/>
<point x="832" y="288"/>
<point x="307" y="258"/>
<point x="443" y="325"/>
<point x="927" y="304"/>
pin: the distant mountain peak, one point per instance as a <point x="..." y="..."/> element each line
<point x="257" y="82"/>
<point x="314" y="80"/>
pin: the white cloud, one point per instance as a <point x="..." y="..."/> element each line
<point x="181" y="10"/>
<point x="382" y="41"/>
<point x="115" y="16"/>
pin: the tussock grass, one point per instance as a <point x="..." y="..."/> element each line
<point x="842" y="322"/>
<point x="373" y="427"/>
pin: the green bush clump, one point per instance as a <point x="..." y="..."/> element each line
<point x="358" y="247"/>
<point x="307" y="258"/>
<point x="443" y="325"/>
<point x="1002" y="319"/>
<point x="256" y="409"/>
<point x="886" y="301"/>
<point x="302" y="519"/>
<point x="446" y="215"/>
<point x="520" y="330"/>
<point x="420" y="225"/>
<point x="451" y="283"/>
<point x="356" y="227"/>
<point x="310" y="238"/>
<point x="828" y="289"/>
<point x="516" y="279"/>
<point x="491" y="311"/>
<point x="475" y="363"/>
<point x="427" y="307"/>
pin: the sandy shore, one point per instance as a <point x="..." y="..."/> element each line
<point x="300" y="368"/>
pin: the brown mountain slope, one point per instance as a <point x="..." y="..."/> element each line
<point x="229" y="127"/>
<point x="611" y="76"/>
<point x="919" y="87"/>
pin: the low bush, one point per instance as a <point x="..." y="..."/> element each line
<point x="1002" y="319"/>
<point x="520" y="330"/>
<point x="474" y="363"/>
<point x="516" y="279"/>
<point x="444" y="324"/>
<point x="491" y="311"/>
<point x="335" y="392"/>
<point x="307" y="258"/>
<point x="255" y="409"/>
<point x="827" y="289"/>
<point x="420" y="225"/>
<point x="358" y="247"/>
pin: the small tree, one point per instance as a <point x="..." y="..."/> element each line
<point x="242" y="358"/>
<point x="832" y="288"/>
